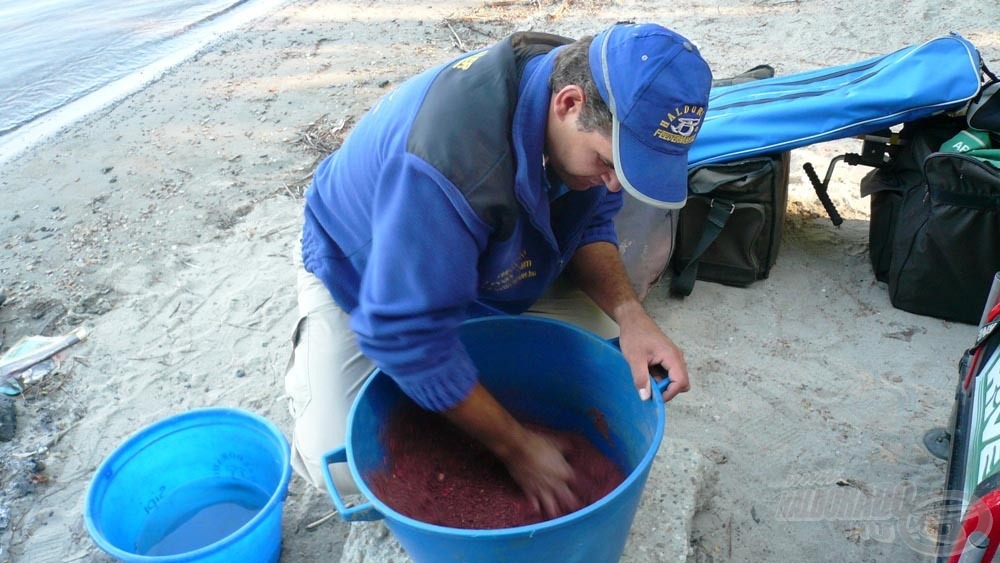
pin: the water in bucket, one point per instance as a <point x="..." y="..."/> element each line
<point x="199" y="514"/>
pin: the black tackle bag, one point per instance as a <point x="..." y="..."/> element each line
<point x="729" y="231"/>
<point x="935" y="224"/>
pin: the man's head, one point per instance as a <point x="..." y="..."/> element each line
<point x="572" y="67"/>
<point x="653" y="88"/>
<point x="578" y="133"/>
<point x="656" y="85"/>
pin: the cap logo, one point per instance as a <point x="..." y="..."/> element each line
<point x="681" y="125"/>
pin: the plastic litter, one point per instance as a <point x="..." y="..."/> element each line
<point x="32" y="358"/>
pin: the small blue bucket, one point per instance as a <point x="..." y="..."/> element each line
<point x="543" y="371"/>
<point x="207" y="485"/>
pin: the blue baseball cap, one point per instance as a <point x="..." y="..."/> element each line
<point x="656" y="85"/>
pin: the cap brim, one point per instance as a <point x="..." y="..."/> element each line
<point x="653" y="177"/>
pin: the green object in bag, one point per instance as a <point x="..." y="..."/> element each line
<point x="976" y="144"/>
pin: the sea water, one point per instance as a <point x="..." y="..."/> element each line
<point x="63" y="59"/>
<point x="199" y="514"/>
<point x="57" y="50"/>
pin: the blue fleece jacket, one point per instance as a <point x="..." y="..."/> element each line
<point x="435" y="210"/>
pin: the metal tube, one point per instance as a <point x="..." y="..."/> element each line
<point x="975" y="548"/>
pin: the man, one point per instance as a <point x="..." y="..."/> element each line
<point x="489" y="185"/>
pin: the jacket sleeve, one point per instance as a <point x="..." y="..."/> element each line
<point x="419" y="280"/>
<point x="602" y="226"/>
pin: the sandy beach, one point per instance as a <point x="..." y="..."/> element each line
<point x="166" y="224"/>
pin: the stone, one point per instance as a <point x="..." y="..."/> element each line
<point x="8" y="419"/>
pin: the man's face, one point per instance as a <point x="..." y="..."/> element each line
<point x="582" y="159"/>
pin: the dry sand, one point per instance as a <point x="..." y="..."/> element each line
<point x="166" y="224"/>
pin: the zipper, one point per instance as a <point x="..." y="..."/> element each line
<point x="795" y="96"/>
<point x="746" y="178"/>
<point x="956" y="198"/>
<point x="860" y="67"/>
<point x="812" y="80"/>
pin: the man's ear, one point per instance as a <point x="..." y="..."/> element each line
<point x="568" y="101"/>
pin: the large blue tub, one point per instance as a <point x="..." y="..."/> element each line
<point x="543" y="371"/>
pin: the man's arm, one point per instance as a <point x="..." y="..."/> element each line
<point x="598" y="270"/>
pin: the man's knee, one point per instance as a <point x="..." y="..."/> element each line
<point x="324" y="372"/>
<point x="308" y="462"/>
<point x="566" y="302"/>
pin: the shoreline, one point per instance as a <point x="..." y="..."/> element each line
<point x="166" y="223"/>
<point x="203" y="36"/>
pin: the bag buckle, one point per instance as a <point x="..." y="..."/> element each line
<point x="732" y="206"/>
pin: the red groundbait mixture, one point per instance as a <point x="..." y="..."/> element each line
<point x="438" y="475"/>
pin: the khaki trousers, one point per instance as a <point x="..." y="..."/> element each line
<point x="327" y="369"/>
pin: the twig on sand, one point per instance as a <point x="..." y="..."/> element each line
<point x="290" y="192"/>
<point x="564" y="7"/>
<point x="322" y="140"/>
<point x="244" y="327"/>
<point x="273" y="232"/>
<point x="458" y="40"/>
<point x="330" y="515"/>
<point x="49" y="445"/>
<point x="262" y="303"/>
<point x="854" y="483"/>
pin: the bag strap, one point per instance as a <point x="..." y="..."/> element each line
<point x="987" y="72"/>
<point x="718" y="215"/>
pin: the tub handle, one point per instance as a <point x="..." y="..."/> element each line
<point x="361" y="513"/>
<point x="662" y="384"/>
<point x="657" y="369"/>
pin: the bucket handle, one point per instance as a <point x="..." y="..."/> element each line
<point x="661" y="385"/>
<point x="361" y="513"/>
<point x="658" y="370"/>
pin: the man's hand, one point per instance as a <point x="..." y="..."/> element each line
<point x="535" y="462"/>
<point x="643" y="344"/>
<point x="543" y="474"/>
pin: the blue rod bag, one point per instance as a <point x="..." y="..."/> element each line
<point x="785" y="112"/>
